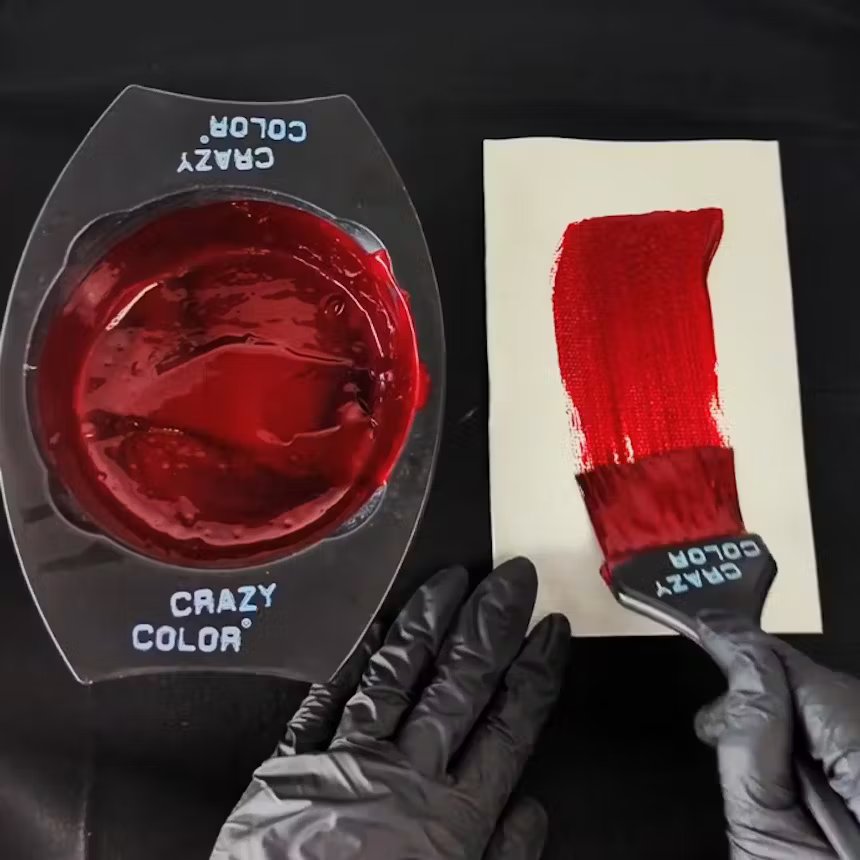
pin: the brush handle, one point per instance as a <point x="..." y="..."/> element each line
<point x="674" y="584"/>
<point x="734" y="574"/>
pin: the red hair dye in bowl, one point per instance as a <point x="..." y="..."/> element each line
<point x="229" y="383"/>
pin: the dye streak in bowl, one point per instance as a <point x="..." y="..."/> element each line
<point x="229" y="383"/>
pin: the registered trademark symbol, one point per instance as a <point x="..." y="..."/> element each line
<point x="246" y="623"/>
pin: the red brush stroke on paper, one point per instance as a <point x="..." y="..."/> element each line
<point x="635" y="341"/>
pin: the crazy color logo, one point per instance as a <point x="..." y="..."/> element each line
<point x="243" y="606"/>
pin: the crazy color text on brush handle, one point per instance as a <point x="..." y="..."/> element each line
<point x="706" y="565"/>
<point x="696" y="556"/>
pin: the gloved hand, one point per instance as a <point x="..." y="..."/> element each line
<point x="777" y="697"/>
<point x="419" y="763"/>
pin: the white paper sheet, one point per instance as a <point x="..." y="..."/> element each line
<point x="533" y="189"/>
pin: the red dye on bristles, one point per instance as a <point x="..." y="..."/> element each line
<point x="635" y="341"/>
<point x="673" y="498"/>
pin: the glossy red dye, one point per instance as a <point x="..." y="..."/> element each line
<point x="231" y="381"/>
<point x="636" y="352"/>
<point x="673" y="498"/>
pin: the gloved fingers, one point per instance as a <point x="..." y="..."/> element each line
<point x="483" y="641"/>
<point x="754" y="733"/>
<point x="710" y="721"/>
<point x="492" y="760"/>
<point x="521" y="834"/>
<point x="828" y="708"/>
<point x="313" y="724"/>
<point x="410" y="647"/>
<point x="754" y="736"/>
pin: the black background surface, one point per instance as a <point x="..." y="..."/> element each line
<point x="149" y="767"/>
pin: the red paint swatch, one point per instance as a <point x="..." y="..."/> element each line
<point x="636" y="352"/>
<point x="229" y="381"/>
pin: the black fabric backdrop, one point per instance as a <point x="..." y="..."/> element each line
<point x="149" y="767"/>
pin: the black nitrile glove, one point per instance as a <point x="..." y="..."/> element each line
<point x="777" y="697"/>
<point x="420" y="761"/>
